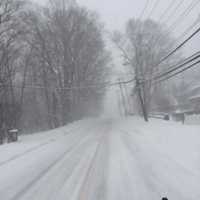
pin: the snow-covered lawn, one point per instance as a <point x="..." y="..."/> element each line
<point x="192" y="119"/>
<point x="104" y="159"/>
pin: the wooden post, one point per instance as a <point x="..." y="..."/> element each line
<point x="123" y="97"/>
<point x="127" y="98"/>
<point x="119" y="104"/>
<point x="144" y="112"/>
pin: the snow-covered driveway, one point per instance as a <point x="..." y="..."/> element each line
<point x="104" y="159"/>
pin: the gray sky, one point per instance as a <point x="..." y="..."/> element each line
<point x="115" y="13"/>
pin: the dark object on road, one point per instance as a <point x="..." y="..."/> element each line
<point x="166" y="117"/>
<point x="12" y="135"/>
<point x="165" y="198"/>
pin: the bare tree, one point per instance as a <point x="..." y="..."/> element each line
<point x="10" y="48"/>
<point x="67" y="56"/>
<point x="51" y="60"/>
<point x="143" y="45"/>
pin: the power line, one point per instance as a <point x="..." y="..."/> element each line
<point x="123" y="82"/>
<point x="184" y="60"/>
<point x="167" y="10"/>
<point x="185" y="41"/>
<point x="96" y="86"/>
<point x="154" y="8"/>
<point x="189" y="28"/>
<point x="56" y="88"/>
<point x="177" y="73"/>
<point x="174" y="11"/>
<point x="176" y="67"/>
<point x="184" y="14"/>
<point x="179" y="46"/>
<point x="188" y="60"/>
<point x="144" y="9"/>
<point x="182" y="64"/>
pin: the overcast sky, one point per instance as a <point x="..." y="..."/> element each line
<point x="115" y="13"/>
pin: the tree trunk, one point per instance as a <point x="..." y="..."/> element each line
<point x="143" y="106"/>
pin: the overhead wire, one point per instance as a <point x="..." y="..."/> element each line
<point x="171" y="4"/>
<point x="183" y="15"/>
<point x="177" y="73"/>
<point x="196" y="22"/>
<point x="174" y="11"/>
<point x="100" y="85"/>
<point x="144" y="9"/>
<point x="189" y="8"/>
<point x="182" y="61"/>
<point x="157" y="2"/>
<point x="179" y="65"/>
<point x="179" y="46"/>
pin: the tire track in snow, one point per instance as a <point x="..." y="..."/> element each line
<point x="85" y="189"/>
<point x="36" y="179"/>
<point x="142" y="170"/>
<point x="167" y="159"/>
<point x="148" y="171"/>
<point x="66" y="166"/>
<point x="75" y="175"/>
<point x="89" y="141"/>
<point x="37" y="147"/>
<point x="73" y="188"/>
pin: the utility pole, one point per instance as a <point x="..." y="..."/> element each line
<point x="123" y="97"/>
<point x="127" y="98"/>
<point x="119" y="103"/>
<point x="139" y="91"/>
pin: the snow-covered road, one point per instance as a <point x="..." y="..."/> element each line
<point x="104" y="159"/>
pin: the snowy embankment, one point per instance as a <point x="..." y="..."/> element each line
<point x="180" y="142"/>
<point x="29" y="143"/>
<point x="165" y="159"/>
<point x="104" y="159"/>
